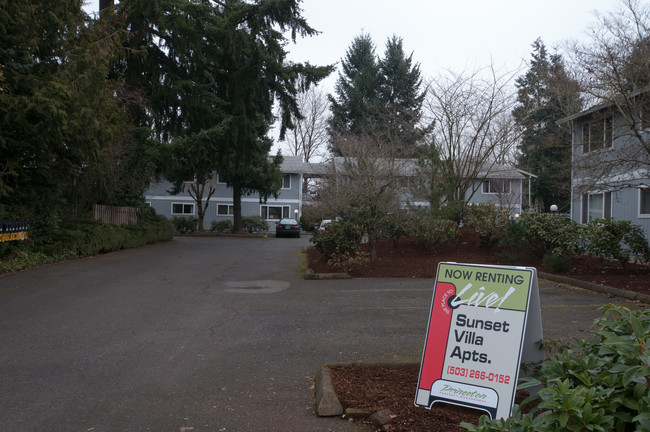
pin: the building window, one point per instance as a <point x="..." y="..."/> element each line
<point x="496" y="186"/>
<point x="597" y="134"/>
<point x="225" y="209"/>
<point x="644" y="202"/>
<point x="274" y="212"/>
<point x="182" y="209"/>
<point x="596" y="206"/>
<point x="286" y="181"/>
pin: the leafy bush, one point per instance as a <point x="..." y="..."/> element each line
<point x="604" y="386"/>
<point x="513" y="244"/>
<point x="221" y="226"/>
<point x="184" y="224"/>
<point x="489" y="221"/>
<point x="254" y="224"/>
<point x="397" y="225"/>
<point x="547" y="233"/>
<point x="435" y="232"/>
<point x="557" y="261"/>
<point x="455" y="211"/>
<point x="82" y="238"/>
<point x="339" y="239"/>
<point x="619" y="240"/>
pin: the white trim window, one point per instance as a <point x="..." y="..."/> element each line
<point x="597" y="134"/>
<point x="225" y="209"/>
<point x="644" y="202"/>
<point x="286" y="181"/>
<point x="496" y="186"/>
<point x="596" y="206"/>
<point x="182" y="209"/>
<point x="270" y="212"/>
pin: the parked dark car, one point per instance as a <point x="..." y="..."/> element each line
<point x="287" y="228"/>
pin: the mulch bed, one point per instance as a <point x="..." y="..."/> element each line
<point x="377" y="388"/>
<point x="410" y="259"/>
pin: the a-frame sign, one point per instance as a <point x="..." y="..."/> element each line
<point x="484" y="322"/>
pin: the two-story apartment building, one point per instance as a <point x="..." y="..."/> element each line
<point x="502" y="186"/>
<point x="610" y="175"/>
<point x="497" y="184"/>
<point x="220" y="207"/>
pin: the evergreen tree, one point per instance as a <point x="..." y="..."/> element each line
<point x="401" y="99"/>
<point x="379" y="94"/>
<point x="253" y="74"/>
<point x="58" y="116"/>
<point x="354" y="108"/>
<point x="203" y="76"/>
<point x="545" y="94"/>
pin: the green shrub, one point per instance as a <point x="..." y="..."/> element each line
<point x="78" y="238"/>
<point x="435" y="232"/>
<point x="455" y="211"/>
<point x="557" y="261"/>
<point x="254" y="224"/>
<point x="339" y="239"/>
<point x="185" y="224"/>
<point x="618" y="240"/>
<point x="221" y="226"/>
<point x="547" y="233"/>
<point x="513" y="243"/>
<point x="397" y="225"/>
<point x="603" y="386"/>
<point x="489" y="222"/>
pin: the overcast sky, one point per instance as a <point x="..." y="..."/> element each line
<point x="453" y="35"/>
<point x="447" y="34"/>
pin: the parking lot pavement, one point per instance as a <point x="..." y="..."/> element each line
<point x="208" y="334"/>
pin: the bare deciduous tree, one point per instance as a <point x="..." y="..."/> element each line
<point x="309" y="137"/>
<point x="613" y="69"/>
<point x="363" y="184"/>
<point x="473" y="128"/>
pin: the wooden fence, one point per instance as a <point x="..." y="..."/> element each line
<point x="116" y="215"/>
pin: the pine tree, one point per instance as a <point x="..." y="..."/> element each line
<point x="545" y="95"/>
<point x="58" y="116"/>
<point x="253" y="74"/>
<point x="401" y="99"/>
<point x="354" y="109"/>
<point x="379" y="94"/>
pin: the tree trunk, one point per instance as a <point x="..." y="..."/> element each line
<point x="372" y="243"/>
<point x="103" y="4"/>
<point x="236" y="204"/>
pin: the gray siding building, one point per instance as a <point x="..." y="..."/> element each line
<point x="610" y="175"/>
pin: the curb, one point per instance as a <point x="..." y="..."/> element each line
<point x="604" y="289"/>
<point x="327" y="403"/>
<point x="310" y="275"/>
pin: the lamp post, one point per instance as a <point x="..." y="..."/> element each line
<point x="554" y="209"/>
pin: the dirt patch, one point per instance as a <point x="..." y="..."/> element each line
<point x="410" y="259"/>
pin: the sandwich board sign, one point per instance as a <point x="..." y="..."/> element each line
<point x="484" y="322"/>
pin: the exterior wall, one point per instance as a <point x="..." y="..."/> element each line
<point x="624" y="203"/>
<point x="159" y="198"/>
<point x="512" y="200"/>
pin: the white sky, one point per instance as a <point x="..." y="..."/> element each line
<point x="455" y="35"/>
<point x="448" y="34"/>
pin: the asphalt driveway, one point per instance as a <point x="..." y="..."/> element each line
<point x="206" y="334"/>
